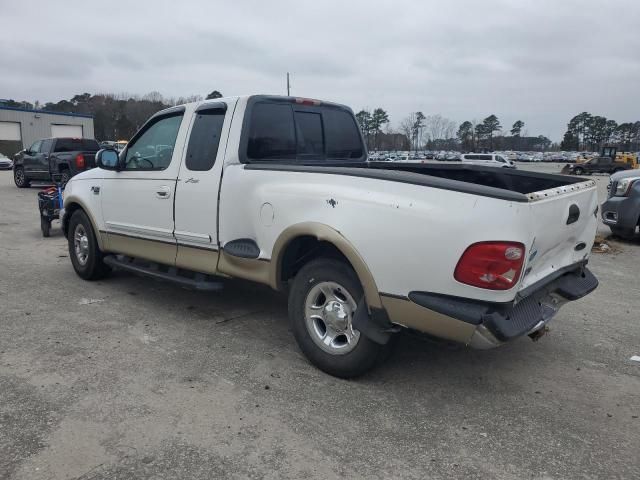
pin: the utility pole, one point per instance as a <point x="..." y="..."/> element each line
<point x="288" y="86"/>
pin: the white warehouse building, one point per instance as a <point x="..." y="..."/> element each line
<point x="19" y="127"/>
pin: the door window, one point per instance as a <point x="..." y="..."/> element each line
<point x="45" y="146"/>
<point x="35" y="148"/>
<point x="153" y="149"/>
<point x="204" y="140"/>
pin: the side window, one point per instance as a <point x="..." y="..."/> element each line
<point x="343" y="135"/>
<point x="45" y="146"/>
<point x="272" y="134"/>
<point x="204" y="140"/>
<point x="154" y="148"/>
<point x="35" y="148"/>
<point x="310" y="135"/>
<point x="500" y="159"/>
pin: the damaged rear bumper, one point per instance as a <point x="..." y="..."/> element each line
<point x="486" y="324"/>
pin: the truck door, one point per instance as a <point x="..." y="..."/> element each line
<point x="41" y="161"/>
<point x="196" y="203"/>
<point x="137" y="201"/>
<point x="29" y="160"/>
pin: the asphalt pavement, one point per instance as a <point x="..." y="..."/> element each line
<point x="129" y="378"/>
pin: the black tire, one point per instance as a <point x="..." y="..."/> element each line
<point x="65" y="176"/>
<point x="578" y="171"/>
<point x="365" y="355"/>
<point x="93" y="267"/>
<point x="45" y="226"/>
<point x="626" y="233"/>
<point x="20" y="178"/>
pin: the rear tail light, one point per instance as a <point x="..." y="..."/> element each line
<point x="80" y="164"/>
<point x="491" y="265"/>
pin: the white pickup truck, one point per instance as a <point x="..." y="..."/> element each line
<point x="278" y="190"/>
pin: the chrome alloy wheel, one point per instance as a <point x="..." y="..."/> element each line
<point x="81" y="244"/>
<point x="329" y="310"/>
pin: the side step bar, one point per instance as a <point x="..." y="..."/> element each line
<point x="185" y="278"/>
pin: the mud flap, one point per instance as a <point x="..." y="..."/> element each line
<point x="375" y="326"/>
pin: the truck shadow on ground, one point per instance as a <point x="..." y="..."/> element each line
<point x="256" y="316"/>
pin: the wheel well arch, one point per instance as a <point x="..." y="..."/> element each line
<point x="70" y="207"/>
<point x="302" y="243"/>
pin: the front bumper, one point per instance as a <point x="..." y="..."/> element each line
<point x="621" y="212"/>
<point x="495" y="323"/>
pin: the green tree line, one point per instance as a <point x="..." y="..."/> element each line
<point x="591" y="132"/>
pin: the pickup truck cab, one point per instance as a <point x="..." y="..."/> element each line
<point x="621" y="211"/>
<point x="50" y="156"/>
<point x="278" y="190"/>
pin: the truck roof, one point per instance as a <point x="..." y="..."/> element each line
<point x="246" y="97"/>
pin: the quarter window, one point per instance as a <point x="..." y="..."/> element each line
<point x="153" y="149"/>
<point x="204" y="140"/>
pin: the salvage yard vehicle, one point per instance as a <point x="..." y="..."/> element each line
<point x="54" y="156"/>
<point x="595" y="165"/>
<point x="278" y="190"/>
<point x="621" y="211"/>
<point x="487" y="160"/>
<point x="5" y="162"/>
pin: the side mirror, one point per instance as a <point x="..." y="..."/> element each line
<point x="107" y="159"/>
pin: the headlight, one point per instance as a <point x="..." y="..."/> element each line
<point x="624" y="185"/>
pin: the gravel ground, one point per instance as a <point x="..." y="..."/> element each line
<point x="128" y="378"/>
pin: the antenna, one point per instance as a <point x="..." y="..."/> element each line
<point x="288" y="86"/>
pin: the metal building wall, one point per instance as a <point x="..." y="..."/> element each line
<point x="35" y="125"/>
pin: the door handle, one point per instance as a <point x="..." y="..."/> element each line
<point x="163" y="192"/>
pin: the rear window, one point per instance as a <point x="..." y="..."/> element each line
<point x="283" y="131"/>
<point x="272" y="134"/>
<point x="76" y="145"/>
<point x="343" y="138"/>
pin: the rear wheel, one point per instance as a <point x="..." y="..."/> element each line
<point x="65" y="177"/>
<point x="86" y="257"/>
<point x="20" y="178"/>
<point x="322" y="303"/>
<point x="626" y="233"/>
<point x="578" y="171"/>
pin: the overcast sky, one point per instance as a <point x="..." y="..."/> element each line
<point x="541" y="61"/>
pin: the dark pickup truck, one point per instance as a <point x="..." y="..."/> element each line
<point x="595" y="165"/>
<point x="61" y="156"/>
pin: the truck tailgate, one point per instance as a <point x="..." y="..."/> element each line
<point x="563" y="223"/>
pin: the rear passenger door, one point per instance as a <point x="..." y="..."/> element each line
<point x="196" y="201"/>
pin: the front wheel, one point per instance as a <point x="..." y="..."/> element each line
<point x="86" y="257"/>
<point x="20" y="178"/>
<point x="322" y="303"/>
<point x="578" y="171"/>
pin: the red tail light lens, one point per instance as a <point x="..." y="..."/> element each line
<point x="80" y="161"/>
<point x="491" y="265"/>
